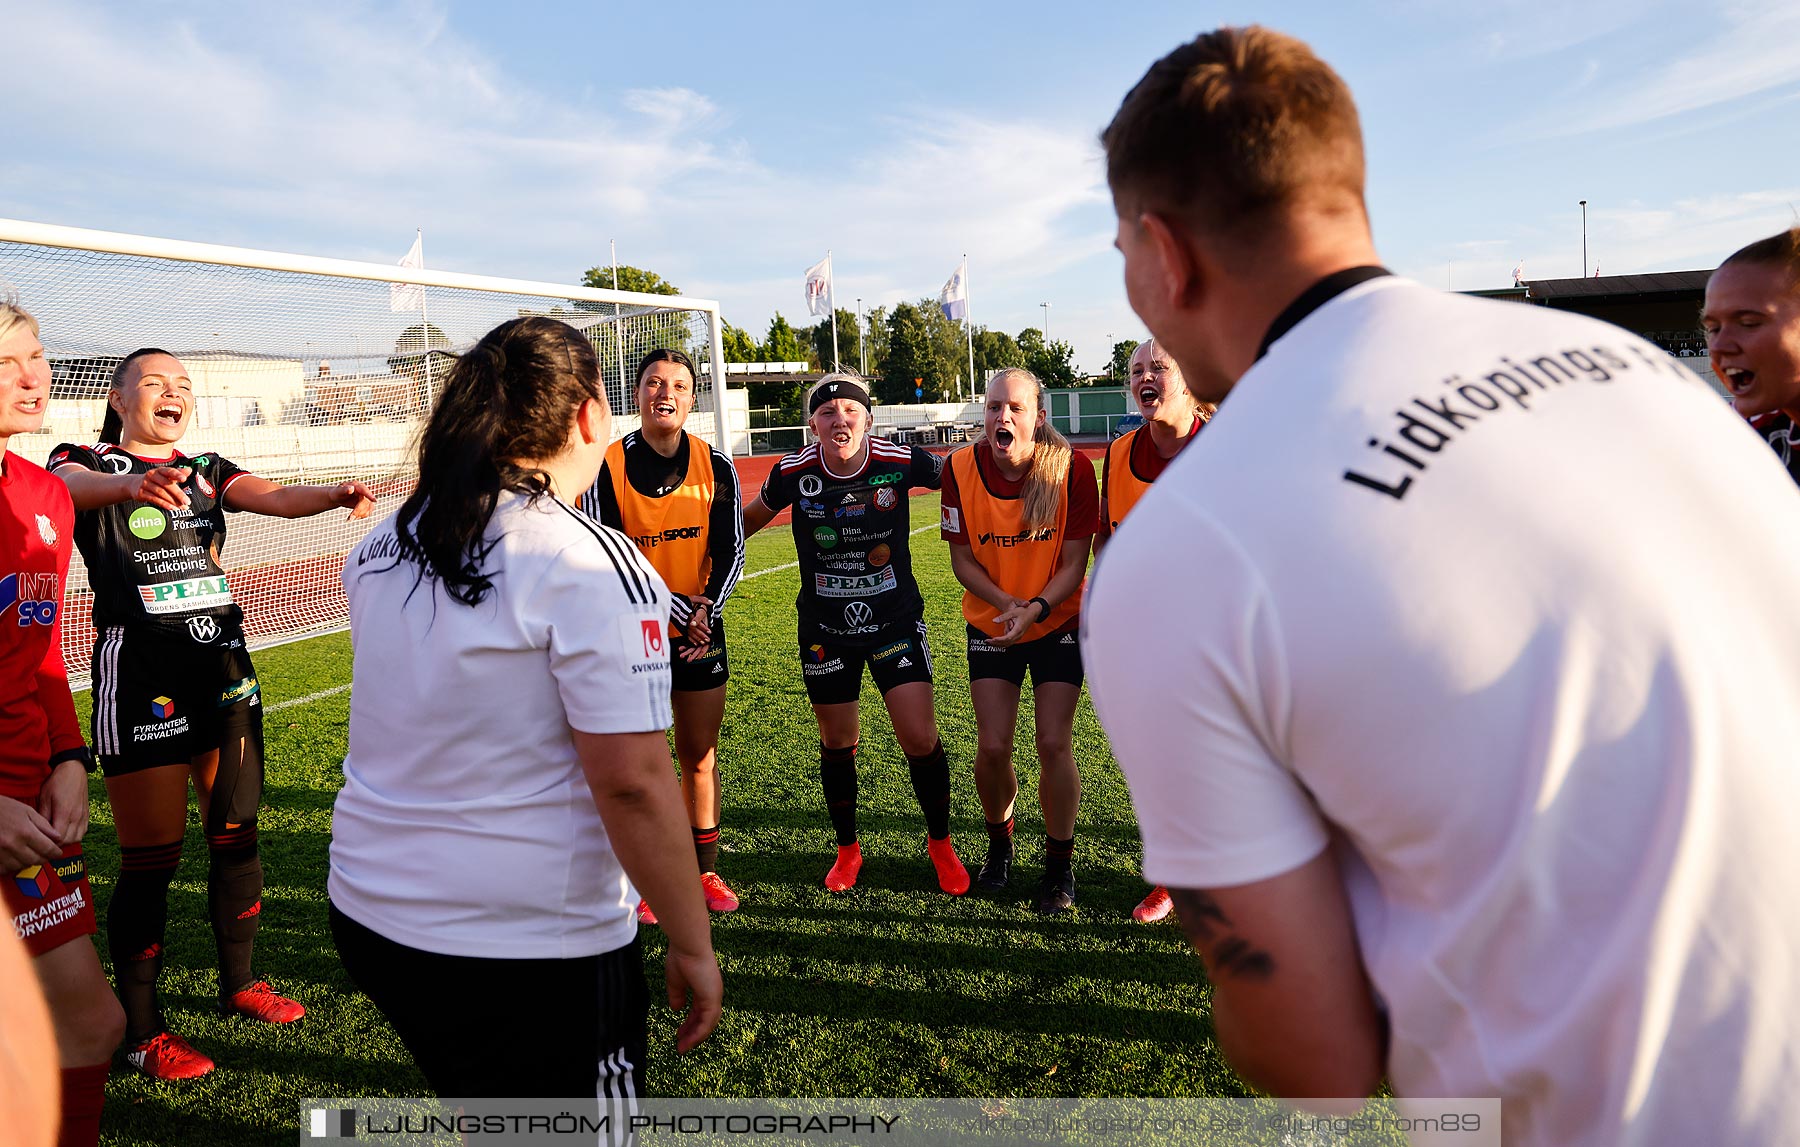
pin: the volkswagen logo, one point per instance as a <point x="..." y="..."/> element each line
<point x="810" y="485"/>
<point x="203" y="629"/>
<point x="858" y="613"/>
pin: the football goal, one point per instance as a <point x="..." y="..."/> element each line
<point x="305" y="370"/>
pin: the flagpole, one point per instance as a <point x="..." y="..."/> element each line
<point x="425" y="319"/>
<point x="831" y="301"/>
<point x="619" y="326"/>
<point x="969" y="324"/>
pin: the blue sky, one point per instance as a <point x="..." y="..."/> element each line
<point x="728" y="146"/>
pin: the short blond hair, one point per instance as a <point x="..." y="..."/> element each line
<point x="13" y="315"/>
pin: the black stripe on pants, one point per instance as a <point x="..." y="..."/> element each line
<point x="508" y="1029"/>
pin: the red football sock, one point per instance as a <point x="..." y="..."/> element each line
<point x="83" y="1094"/>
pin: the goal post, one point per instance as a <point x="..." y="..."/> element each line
<point x="305" y="369"/>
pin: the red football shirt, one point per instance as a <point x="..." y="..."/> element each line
<point x="37" y="715"/>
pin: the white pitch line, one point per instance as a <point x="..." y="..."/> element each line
<point x="308" y="699"/>
<point x="336" y="689"/>
<point x="791" y="565"/>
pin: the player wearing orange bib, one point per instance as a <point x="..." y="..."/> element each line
<point x="677" y="498"/>
<point x="1172" y="416"/>
<point x="1020" y="518"/>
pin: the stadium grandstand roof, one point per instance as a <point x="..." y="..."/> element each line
<point x="1662" y="282"/>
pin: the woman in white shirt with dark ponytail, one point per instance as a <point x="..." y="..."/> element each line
<point x="507" y="795"/>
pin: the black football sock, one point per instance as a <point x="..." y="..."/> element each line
<point x="135" y="921"/>
<point x="234" y="886"/>
<point x="1000" y="835"/>
<point x="837" y="773"/>
<point x="706" y="848"/>
<point x="1059" y="855"/>
<point x="931" y="784"/>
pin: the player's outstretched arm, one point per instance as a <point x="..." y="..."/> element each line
<point x="641" y="805"/>
<point x="261" y="496"/>
<point x="91" y="490"/>
<point x="1292" y="1008"/>
<point x="757" y="515"/>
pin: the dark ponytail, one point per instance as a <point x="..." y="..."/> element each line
<point x="511" y="397"/>
<point x="112" y="427"/>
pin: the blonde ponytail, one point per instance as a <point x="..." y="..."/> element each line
<point x="1050" y="457"/>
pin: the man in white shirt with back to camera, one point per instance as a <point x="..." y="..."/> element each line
<point x="1476" y="769"/>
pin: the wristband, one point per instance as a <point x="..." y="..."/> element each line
<point x="1042" y="602"/>
<point x="83" y="754"/>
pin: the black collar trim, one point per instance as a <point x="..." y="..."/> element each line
<point x="1314" y="297"/>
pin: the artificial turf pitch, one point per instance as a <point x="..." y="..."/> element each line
<point x="892" y="990"/>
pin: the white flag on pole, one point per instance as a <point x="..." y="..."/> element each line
<point x="818" y="287"/>
<point x="409" y="296"/>
<point x="954" y="298"/>
<point x="1519" y="274"/>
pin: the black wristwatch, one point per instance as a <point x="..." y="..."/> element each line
<point x="1042" y="602"/>
<point x="84" y="754"/>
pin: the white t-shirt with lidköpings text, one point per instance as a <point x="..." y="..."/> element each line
<point x="1494" y="600"/>
<point x="465" y="825"/>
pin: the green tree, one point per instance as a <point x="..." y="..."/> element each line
<point x="819" y="335"/>
<point x="630" y="279"/>
<point x="1053" y="362"/>
<point x="995" y="350"/>
<point x="783" y="343"/>
<point x="739" y="346"/>
<point x="875" y="330"/>
<point x="908" y="359"/>
<point x="1118" y="369"/>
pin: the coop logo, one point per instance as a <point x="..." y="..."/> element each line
<point x="187" y="596"/>
<point x="1008" y="541"/>
<point x="675" y="534"/>
<point x="885" y="479"/>
<point x="34" y="594"/>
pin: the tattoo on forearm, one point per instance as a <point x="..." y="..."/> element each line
<point x="1209" y="930"/>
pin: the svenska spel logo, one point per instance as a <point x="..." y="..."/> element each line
<point x="653" y="638"/>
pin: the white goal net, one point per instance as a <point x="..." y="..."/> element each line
<point x="304" y="370"/>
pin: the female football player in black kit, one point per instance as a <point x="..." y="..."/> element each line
<point x="677" y="499"/>
<point x="859" y="605"/>
<point x="175" y="695"/>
